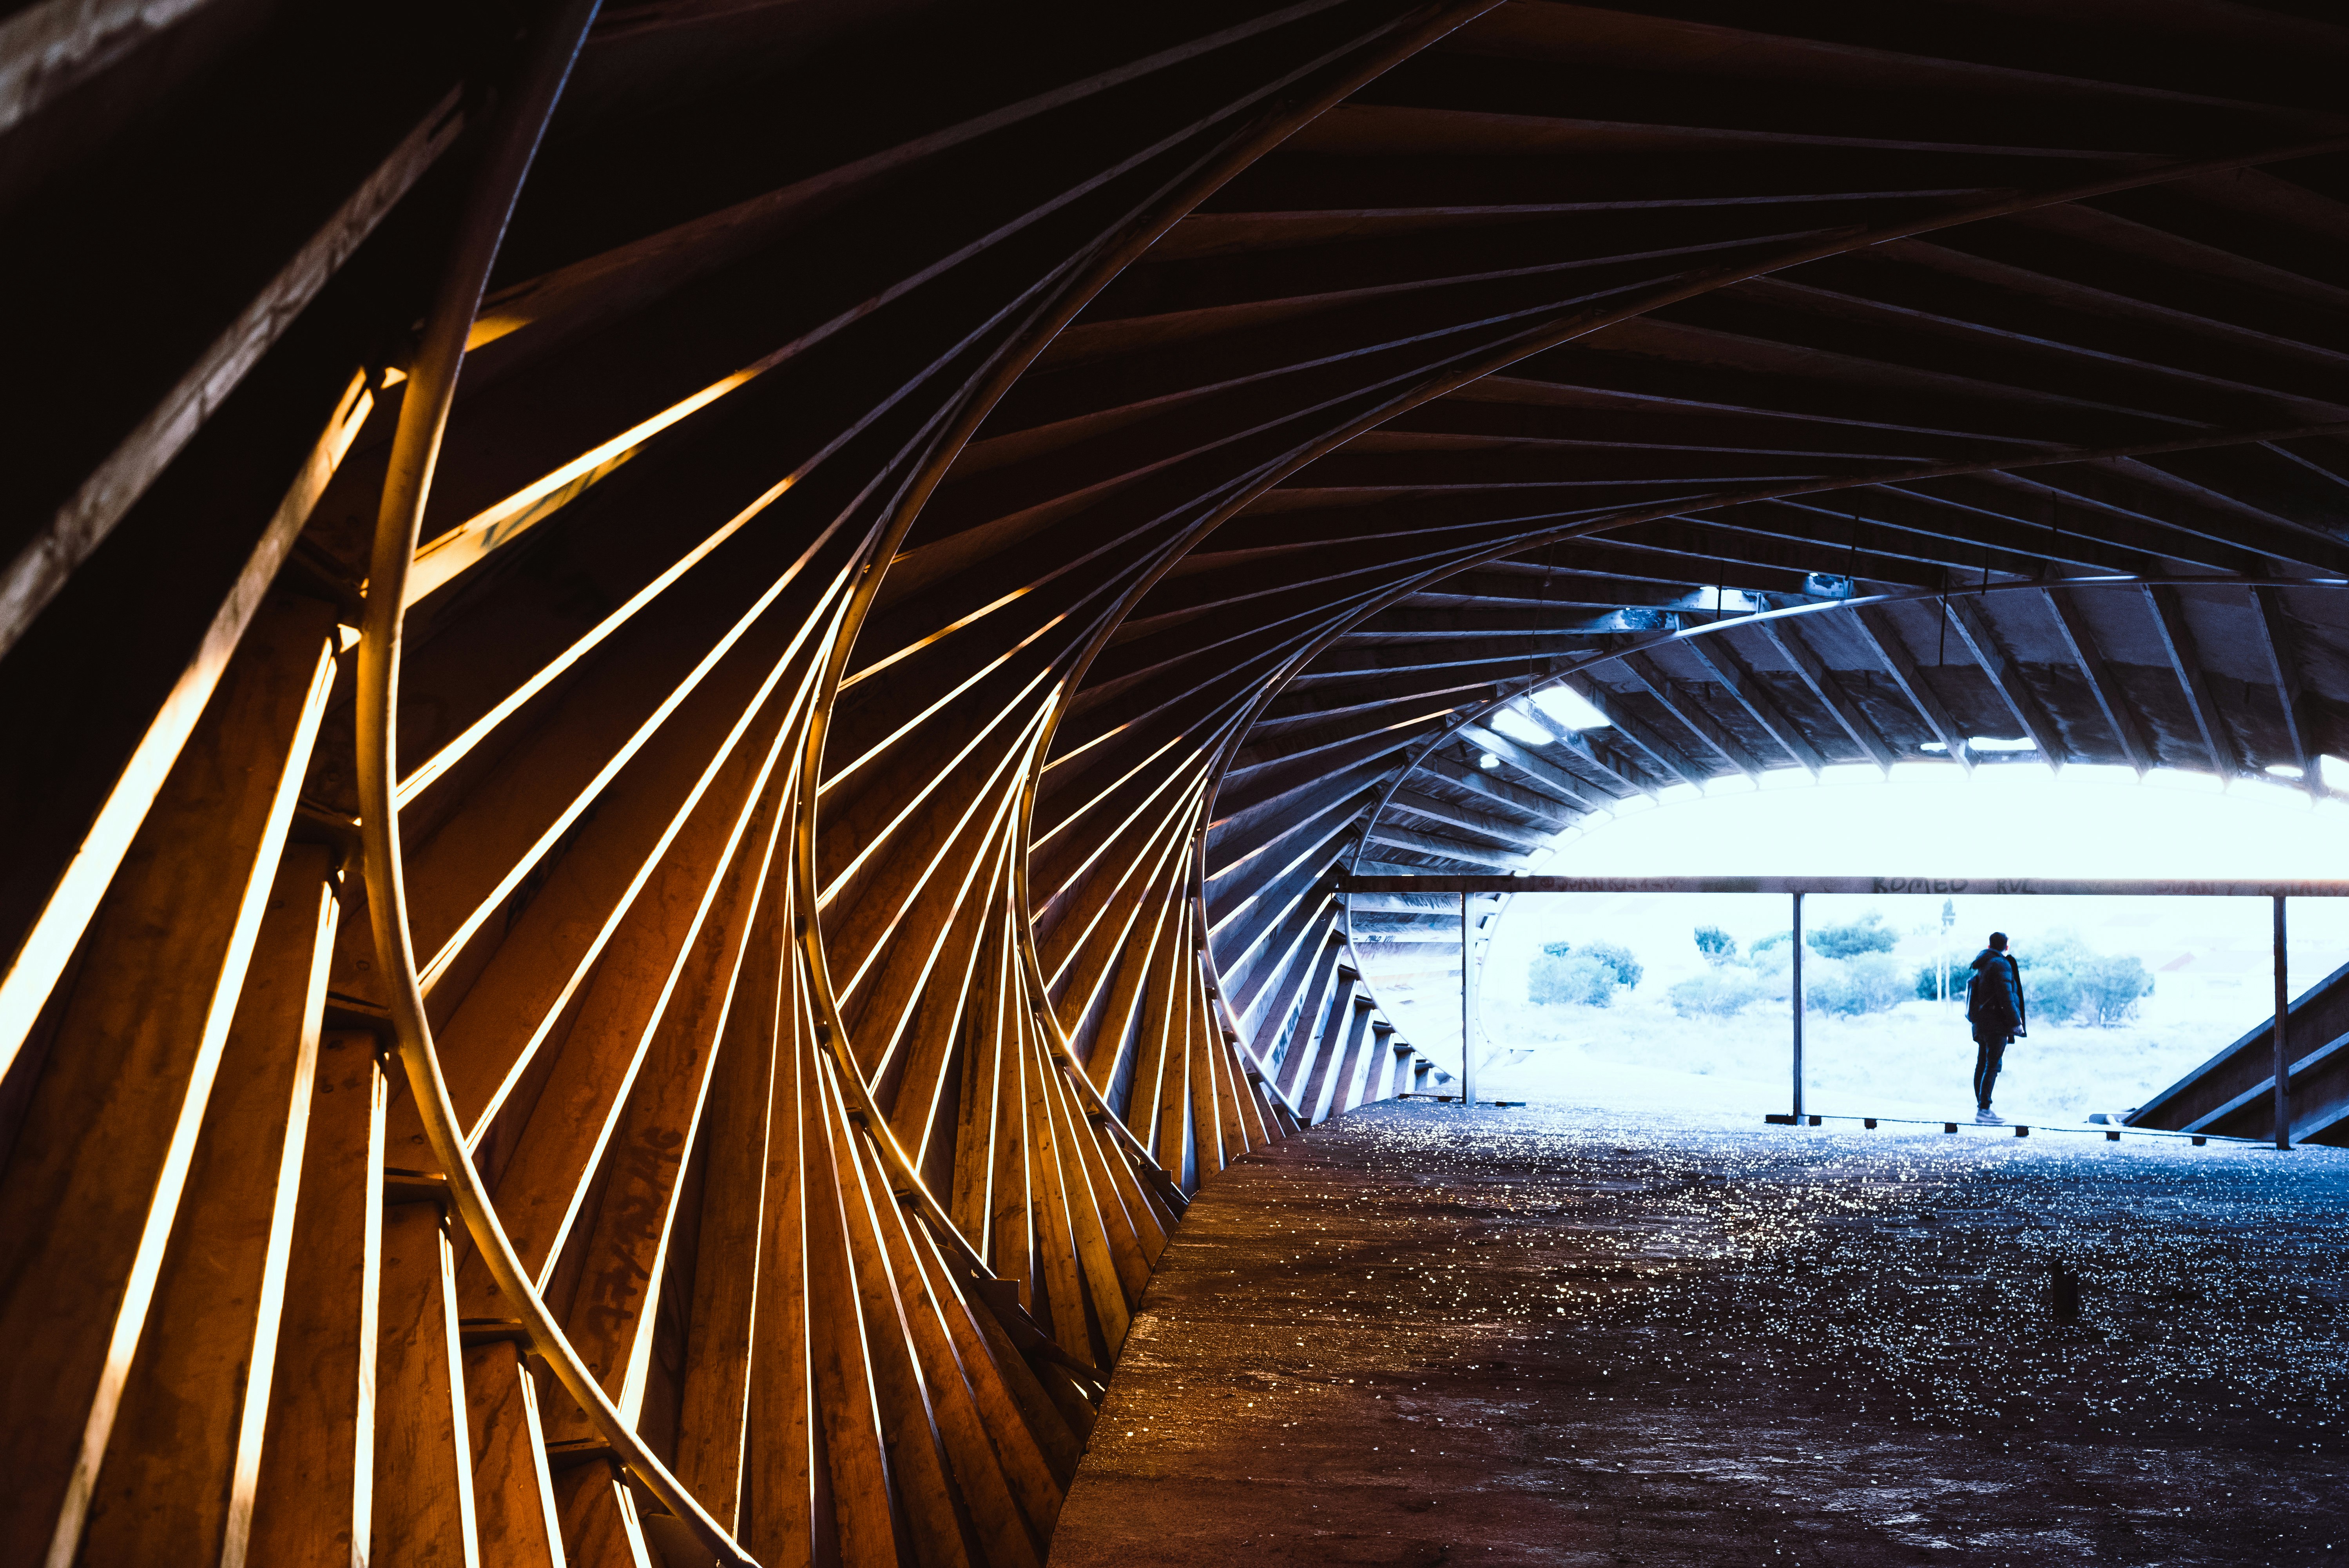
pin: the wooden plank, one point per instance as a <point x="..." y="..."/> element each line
<point x="1130" y="1013"/>
<point x="2284" y="671"/>
<point x="1004" y="1530"/>
<point x="972" y="1202"/>
<point x="130" y="1073"/>
<point x="1114" y="1265"/>
<point x="312" y="1498"/>
<point x="931" y="1504"/>
<point x="863" y="1488"/>
<point x="619" y="899"/>
<point x="949" y="986"/>
<point x="514" y="1490"/>
<point x="713" y="1429"/>
<point x="780" y="1464"/>
<point x="1825" y="685"/>
<point x="609" y="1320"/>
<point x="598" y="1513"/>
<point x="1011" y="1214"/>
<point x="1981" y="638"/>
<point x="1050" y="1204"/>
<point x="186" y="1448"/>
<point x="1308" y="1014"/>
<point x="1658" y="685"/>
<point x="649" y="967"/>
<point x="40" y="568"/>
<point x="1210" y="1135"/>
<point x="1721" y="661"/>
<point x="2186" y="663"/>
<point x="2120" y="717"/>
<point x="1172" y="1141"/>
<point x="1667" y="759"/>
<point x="40" y="958"/>
<point x="1883" y="640"/>
<point x="423" y="1509"/>
<point x="987" y="1407"/>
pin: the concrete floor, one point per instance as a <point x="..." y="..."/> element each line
<point x="1423" y="1335"/>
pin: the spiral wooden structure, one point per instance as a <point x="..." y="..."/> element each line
<point x="682" y="683"/>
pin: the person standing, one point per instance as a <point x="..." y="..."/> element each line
<point x="1995" y="1008"/>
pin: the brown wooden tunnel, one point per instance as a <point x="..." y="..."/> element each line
<point x="681" y="683"/>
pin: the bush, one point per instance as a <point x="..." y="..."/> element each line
<point x="1717" y="992"/>
<point x="1868" y="934"/>
<point x="1717" y="945"/>
<point x="1588" y="976"/>
<point x="1853" y="987"/>
<point x="2064" y="981"/>
<point x="1929" y="979"/>
<point x="1618" y="958"/>
<point x="2108" y="988"/>
<point x="1571" y="979"/>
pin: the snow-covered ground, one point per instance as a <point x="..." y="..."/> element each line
<point x="2211" y="958"/>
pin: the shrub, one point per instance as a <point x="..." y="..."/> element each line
<point x="1717" y="945"/>
<point x="1929" y="979"/>
<point x="1868" y="934"/>
<point x="1626" y="969"/>
<point x="1716" y="993"/>
<point x="2064" y="981"/>
<point x="1571" y="979"/>
<point x="1853" y="987"/>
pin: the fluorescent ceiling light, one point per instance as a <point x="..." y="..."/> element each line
<point x="2284" y="771"/>
<point x="1570" y="708"/>
<point x="1518" y="727"/>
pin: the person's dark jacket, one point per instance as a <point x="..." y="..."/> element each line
<point x="1995" y="996"/>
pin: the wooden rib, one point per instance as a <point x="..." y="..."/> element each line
<point x="2283" y="672"/>
<point x="514" y="1490"/>
<point x="915" y="1453"/>
<point x="185" y="1453"/>
<point x="1721" y="661"/>
<point x="2120" y="716"/>
<point x="781" y="1466"/>
<point x="713" y="1427"/>
<point x="2186" y="663"/>
<point x="2005" y="677"/>
<point x="1829" y="688"/>
<point x="130" y="1072"/>
<point x="40" y="568"/>
<point x="313" y="1495"/>
<point x="423" y="1450"/>
<point x="40" y="958"/>
<point x="1883" y="640"/>
<point x="862" y="1489"/>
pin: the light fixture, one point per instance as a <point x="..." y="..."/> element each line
<point x="1519" y="728"/>
<point x="1570" y="708"/>
<point x="1488" y="761"/>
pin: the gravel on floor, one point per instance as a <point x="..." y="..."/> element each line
<point x="1422" y="1334"/>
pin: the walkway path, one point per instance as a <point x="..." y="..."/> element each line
<point x="1420" y="1336"/>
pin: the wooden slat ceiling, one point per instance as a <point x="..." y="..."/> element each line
<point x="952" y="525"/>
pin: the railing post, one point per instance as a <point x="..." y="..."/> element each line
<point x="1467" y="1049"/>
<point x="2283" y="1053"/>
<point x="1799" y="1006"/>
